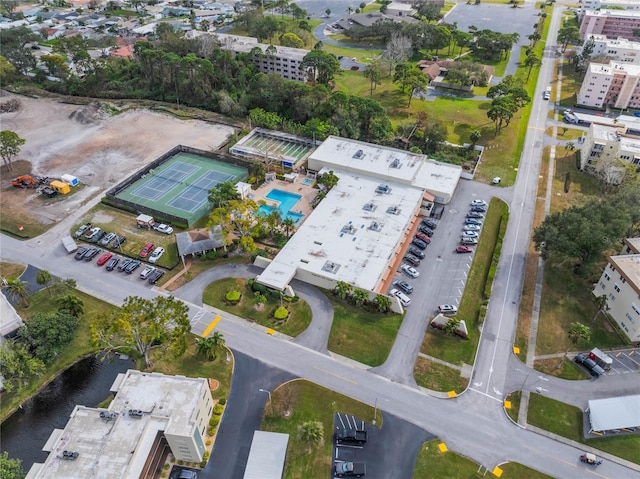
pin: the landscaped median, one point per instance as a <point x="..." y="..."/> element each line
<point x="472" y="309"/>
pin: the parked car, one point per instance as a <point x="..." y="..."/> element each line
<point x="423" y="237"/>
<point x="162" y="228"/>
<point x="427" y="231"/>
<point x="404" y="286"/>
<point x="98" y="236"/>
<point x="125" y="262"/>
<point x="478" y="203"/>
<point x="475" y="214"/>
<point x="104" y="258"/>
<point x="447" y="309"/>
<point x="113" y="262"/>
<point x="90" y="254"/>
<point x="419" y="243"/>
<point x="81" y="230"/>
<point x="146" y="250"/>
<point x="473" y="221"/>
<point x="107" y="239"/>
<point x="81" y="252"/>
<point x="416" y="252"/>
<point x="404" y="299"/>
<point x="471" y="228"/>
<point x="146" y="272"/>
<point x="131" y="267"/>
<point x="155" y="276"/>
<point x="590" y="364"/>
<point x="156" y="255"/>
<point x="464" y="249"/>
<point x="90" y="233"/>
<point x="469" y="241"/>
<point x="429" y="223"/>
<point x="119" y="241"/>
<point x="478" y="209"/>
<point x="412" y="260"/>
<point x="470" y="234"/>
<point x="410" y="270"/>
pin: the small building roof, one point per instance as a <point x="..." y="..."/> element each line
<point x="200" y="240"/>
<point x="277" y="275"/>
<point x="10" y="320"/>
<point x="614" y="413"/>
<point x="267" y="454"/>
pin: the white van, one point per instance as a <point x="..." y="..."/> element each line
<point x="404" y="299"/>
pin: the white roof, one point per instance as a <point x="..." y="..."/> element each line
<point x="614" y="413"/>
<point x="352" y="234"/>
<point x="267" y="454"/>
<point x="10" y="320"/>
<point x="277" y="275"/>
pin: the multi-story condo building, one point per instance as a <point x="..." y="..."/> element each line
<point x="612" y="23"/>
<point x="619" y="49"/>
<point x="605" y="4"/>
<point x="604" y="144"/>
<point x="616" y="84"/>
<point x="620" y="283"/>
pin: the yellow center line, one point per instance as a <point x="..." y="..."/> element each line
<point x="211" y="326"/>
<point x="335" y="375"/>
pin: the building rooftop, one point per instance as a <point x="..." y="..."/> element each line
<point x="630" y="145"/>
<point x="267" y="455"/>
<point x="633" y="243"/>
<point x="613" y="13"/>
<point x="605" y="132"/>
<point x="242" y="44"/>
<point x="620" y="42"/>
<point x="118" y="447"/>
<point x="629" y="267"/>
<point x="614" y="413"/>
<point x="10" y="320"/>
<point x="353" y="232"/>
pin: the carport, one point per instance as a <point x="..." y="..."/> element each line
<point x="267" y="455"/>
<point x="199" y="241"/>
<point x="614" y="414"/>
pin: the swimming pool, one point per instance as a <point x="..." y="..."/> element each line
<point x="286" y="203"/>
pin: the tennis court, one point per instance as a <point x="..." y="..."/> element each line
<point x="278" y="146"/>
<point x="180" y="186"/>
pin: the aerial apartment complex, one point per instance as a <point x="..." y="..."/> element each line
<point x="615" y="84"/>
<point x="129" y="439"/>
<point x="612" y="23"/>
<point x="620" y="283"/>
<point x="619" y="49"/>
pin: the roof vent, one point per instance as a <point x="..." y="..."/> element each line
<point x="383" y="189"/>
<point x="395" y="163"/>
<point x="331" y="267"/>
<point x="376" y="226"/>
<point x="369" y="206"/>
<point x="359" y="155"/>
<point x="393" y="210"/>
<point x="348" y="229"/>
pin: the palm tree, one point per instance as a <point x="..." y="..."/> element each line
<point x="311" y="432"/>
<point x="17" y="289"/>
<point x="579" y="333"/>
<point x="64" y="286"/>
<point x="288" y="223"/>
<point x="382" y="302"/>
<point x="601" y="301"/>
<point x="451" y="326"/>
<point x="360" y="296"/>
<point x="343" y="289"/>
<point x="570" y="146"/>
<point x="71" y="304"/>
<point x="209" y="346"/>
<point x="43" y="278"/>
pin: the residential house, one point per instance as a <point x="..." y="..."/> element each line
<point x="620" y="283"/>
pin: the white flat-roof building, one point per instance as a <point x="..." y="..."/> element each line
<point x="121" y="442"/>
<point x="620" y="283"/>
<point x="619" y="4"/>
<point x="615" y="84"/>
<point x="612" y="23"/>
<point x="604" y="144"/>
<point x="618" y="49"/>
<point x="357" y="231"/>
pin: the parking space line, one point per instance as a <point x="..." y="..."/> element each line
<point x="616" y="358"/>
<point x="633" y="360"/>
<point x="341" y="421"/>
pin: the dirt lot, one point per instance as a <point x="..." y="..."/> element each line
<point x="99" y="148"/>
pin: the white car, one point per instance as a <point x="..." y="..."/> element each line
<point x="410" y="270"/>
<point x="404" y="299"/>
<point x="469" y="234"/>
<point x="447" y="309"/>
<point x="146" y="272"/>
<point x="166" y="229"/>
<point x="478" y="203"/>
<point x="471" y="228"/>
<point x="155" y="256"/>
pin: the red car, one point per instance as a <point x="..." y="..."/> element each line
<point x="104" y="258"/>
<point x="464" y="249"/>
<point x="148" y="248"/>
<point x="423" y="237"/>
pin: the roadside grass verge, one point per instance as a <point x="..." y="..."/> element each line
<point x="438" y="377"/>
<point x="79" y="347"/>
<point x="433" y="463"/>
<point x="568" y="135"/>
<point x="561" y="367"/>
<point x="299" y="317"/>
<point x="515" y="398"/>
<point x="571" y="84"/>
<point x="349" y="325"/>
<point x="455" y="350"/>
<point x="11" y="270"/>
<point x="300" y="401"/>
<point x="567" y="421"/>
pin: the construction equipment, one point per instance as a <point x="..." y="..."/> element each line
<point x="28" y="181"/>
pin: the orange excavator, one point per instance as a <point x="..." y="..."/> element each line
<point x="27" y="181"/>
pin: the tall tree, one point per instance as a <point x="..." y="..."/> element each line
<point x="222" y="193"/>
<point x="10" y="468"/>
<point x="43" y="278"/>
<point x="322" y="66"/>
<point x="239" y="218"/>
<point x="501" y="111"/>
<point x="532" y="61"/>
<point x="396" y="51"/>
<point x="374" y="74"/>
<point x="10" y="144"/>
<point x="16" y="289"/>
<point x="14" y="41"/>
<point x="48" y="333"/>
<point x="143" y="325"/>
<point x="568" y="34"/>
<point x="17" y="366"/>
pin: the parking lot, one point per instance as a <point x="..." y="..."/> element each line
<point x="624" y="361"/>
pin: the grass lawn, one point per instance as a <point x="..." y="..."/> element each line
<point x="561" y="367"/>
<point x="570" y="134"/>
<point x="300" y="312"/>
<point x="297" y="402"/>
<point x="124" y="223"/>
<point x="515" y="398"/>
<point x="349" y="323"/>
<point x="11" y="270"/>
<point x="583" y="187"/>
<point x="79" y="347"/>
<point x="438" y="377"/>
<point x="452" y="349"/>
<point x="571" y="83"/>
<point x="566" y="420"/>
<point x="432" y="463"/>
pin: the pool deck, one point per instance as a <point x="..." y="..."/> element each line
<point x="303" y="206"/>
